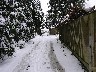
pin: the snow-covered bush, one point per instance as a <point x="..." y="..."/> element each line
<point x="19" y="21"/>
<point x="21" y="44"/>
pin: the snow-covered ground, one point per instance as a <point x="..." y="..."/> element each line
<point x="42" y="54"/>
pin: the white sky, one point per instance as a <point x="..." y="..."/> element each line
<point x="90" y="3"/>
<point x="44" y="6"/>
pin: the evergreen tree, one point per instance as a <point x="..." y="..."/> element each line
<point x="61" y="8"/>
<point x="21" y="19"/>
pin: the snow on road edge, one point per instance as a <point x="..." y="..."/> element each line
<point x="65" y="57"/>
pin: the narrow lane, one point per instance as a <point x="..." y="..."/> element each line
<point x="47" y="54"/>
<point x="40" y="59"/>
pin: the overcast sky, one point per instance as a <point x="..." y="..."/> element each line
<point x="90" y="3"/>
<point x="44" y="6"/>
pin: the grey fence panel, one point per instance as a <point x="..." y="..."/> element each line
<point x="80" y="37"/>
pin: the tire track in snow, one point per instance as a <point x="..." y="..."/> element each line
<point x="52" y="62"/>
<point x="24" y="64"/>
<point x="56" y="66"/>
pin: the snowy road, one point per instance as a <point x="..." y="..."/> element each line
<point x="40" y="59"/>
<point x="43" y="54"/>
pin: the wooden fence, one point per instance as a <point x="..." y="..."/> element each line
<point x="80" y="37"/>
